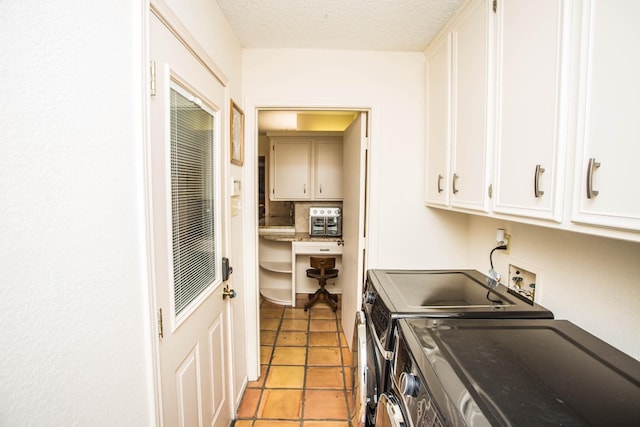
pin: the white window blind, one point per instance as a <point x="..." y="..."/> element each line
<point x="192" y="197"/>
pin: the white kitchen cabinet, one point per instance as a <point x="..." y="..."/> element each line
<point x="303" y="168"/>
<point x="438" y="93"/>
<point x="327" y="168"/>
<point x="531" y="111"/>
<point x="290" y="169"/>
<point x="457" y="82"/>
<point x="471" y="59"/>
<point x="606" y="188"/>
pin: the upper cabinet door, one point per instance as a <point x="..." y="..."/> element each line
<point x="531" y="114"/>
<point x="471" y="56"/>
<point x="328" y="170"/>
<point x="438" y="95"/>
<point x="606" y="191"/>
<point x="290" y="169"/>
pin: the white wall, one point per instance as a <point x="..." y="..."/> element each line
<point x="73" y="312"/>
<point x="591" y="281"/>
<point x="403" y="233"/>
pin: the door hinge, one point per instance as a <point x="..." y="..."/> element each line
<point x="152" y="83"/>
<point x="490" y="191"/>
<point x="495" y="6"/>
<point x="160" y="327"/>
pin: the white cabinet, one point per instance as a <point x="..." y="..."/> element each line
<point x="531" y="112"/>
<point x="471" y="40"/>
<point x="608" y="150"/>
<point x="438" y="78"/>
<point x="290" y="169"/>
<point x="276" y="282"/>
<point x="303" y="168"/>
<point x="328" y="170"/>
<point x="457" y="82"/>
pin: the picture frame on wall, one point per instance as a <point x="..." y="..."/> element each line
<point x="237" y="134"/>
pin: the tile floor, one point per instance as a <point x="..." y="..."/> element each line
<point x="306" y="370"/>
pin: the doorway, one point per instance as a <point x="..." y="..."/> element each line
<point x="351" y="127"/>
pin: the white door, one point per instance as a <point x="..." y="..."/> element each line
<point x="606" y="185"/>
<point x="353" y="220"/>
<point x="532" y="50"/>
<point x="470" y="66"/>
<point x="438" y="97"/>
<point x="192" y="357"/>
<point x="328" y="170"/>
<point x="291" y="170"/>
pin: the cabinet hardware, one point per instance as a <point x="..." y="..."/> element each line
<point x="440" y="183"/>
<point x="320" y="188"/>
<point x="455" y="180"/>
<point x="490" y="191"/>
<point x="152" y="79"/>
<point x="160" y="326"/>
<point x="593" y="165"/>
<point x="536" y="181"/>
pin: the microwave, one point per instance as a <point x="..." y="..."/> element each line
<point x="325" y="221"/>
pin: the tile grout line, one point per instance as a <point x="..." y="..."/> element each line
<point x="268" y="370"/>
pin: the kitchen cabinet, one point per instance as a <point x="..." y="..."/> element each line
<point x="290" y="169"/>
<point x="606" y="191"/>
<point x="303" y="168"/>
<point x="457" y="112"/>
<point x="531" y="112"/>
<point x="328" y="170"/>
<point x="438" y="83"/>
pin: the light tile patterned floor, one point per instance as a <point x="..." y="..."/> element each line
<point x="306" y="369"/>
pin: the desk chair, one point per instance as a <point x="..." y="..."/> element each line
<point x="322" y="268"/>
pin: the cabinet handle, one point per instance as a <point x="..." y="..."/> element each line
<point x="536" y="181"/>
<point x="440" y="183"/>
<point x="591" y="193"/>
<point x="304" y="188"/>
<point x="454" y="181"/>
<point x="320" y="188"/>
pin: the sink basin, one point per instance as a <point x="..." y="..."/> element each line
<point x="277" y="230"/>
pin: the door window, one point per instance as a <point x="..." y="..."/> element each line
<point x="192" y="198"/>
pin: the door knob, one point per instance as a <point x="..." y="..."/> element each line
<point x="228" y="293"/>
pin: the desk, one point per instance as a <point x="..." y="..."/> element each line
<point x="301" y="251"/>
<point x="284" y="259"/>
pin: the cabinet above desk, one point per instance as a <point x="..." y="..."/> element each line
<point x="305" y="167"/>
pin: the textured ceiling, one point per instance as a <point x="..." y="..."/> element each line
<point x="384" y="25"/>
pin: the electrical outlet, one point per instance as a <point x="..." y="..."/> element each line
<point x="522" y="281"/>
<point x="508" y="250"/>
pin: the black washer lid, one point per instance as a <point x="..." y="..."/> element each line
<point x="538" y="372"/>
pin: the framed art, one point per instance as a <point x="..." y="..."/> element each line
<point x="237" y="134"/>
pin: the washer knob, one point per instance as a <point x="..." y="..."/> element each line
<point x="369" y="297"/>
<point x="409" y="384"/>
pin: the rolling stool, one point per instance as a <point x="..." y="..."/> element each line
<point x="322" y="269"/>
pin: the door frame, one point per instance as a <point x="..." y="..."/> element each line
<point x="164" y="13"/>
<point x="372" y="107"/>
